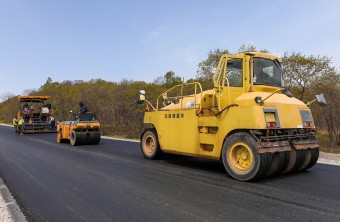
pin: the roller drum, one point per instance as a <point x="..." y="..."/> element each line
<point x="93" y="137"/>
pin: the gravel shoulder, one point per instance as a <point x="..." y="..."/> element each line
<point x="9" y="209"/>
<point x="329" y="158"/>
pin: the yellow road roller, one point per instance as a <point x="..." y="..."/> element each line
<point x="83" y="129"/>
<point x="248" y="120"/>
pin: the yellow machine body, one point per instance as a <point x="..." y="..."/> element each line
<point x="182" y="131"/>
<point x="84" y="129"/>
<point x="202" y="123"/>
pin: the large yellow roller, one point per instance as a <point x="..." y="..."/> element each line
<point x="248" y="120"/>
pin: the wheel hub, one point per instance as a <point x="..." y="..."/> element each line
<point x="241" y="157"/>
<point x="150" y="144"/>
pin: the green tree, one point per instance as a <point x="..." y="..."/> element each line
<point x="306" y="76"/>
<point x="168" y="80"/>
<point x="328" y="117"/>
<point x="9" y="109"/>
<point x="301" y="72"/>
<point x="207" y="67"/>
<point x="47" y="83"/>
<point x="250" y="48"/>
<point x="171" y="79"/>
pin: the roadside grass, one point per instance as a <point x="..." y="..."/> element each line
<point x="325" y="144"/>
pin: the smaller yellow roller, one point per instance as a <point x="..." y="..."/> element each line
<point x="83" y="129"/>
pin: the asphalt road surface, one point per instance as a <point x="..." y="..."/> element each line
<point x="113" y="182"/>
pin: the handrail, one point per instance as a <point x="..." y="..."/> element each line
<point x="149" y="104"/>
<point x="220" y="94"/>
<point x="181" y="96"/>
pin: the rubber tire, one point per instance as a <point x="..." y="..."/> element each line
<point x="261" y="162"/>
<point x="314" y="158"/>
<point x="150" y="146"/>
<point x="308" y="156"/>
<point x="73" y="138"/>
<point x="296" y="159"/>
<point x="94" y="138"/>
<point x="279" y="162"/>
<point x="300" y="159"/>
<point x="81" y="138"/>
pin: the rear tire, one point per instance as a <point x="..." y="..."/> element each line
<point x="296" y="159"/>
<point x="241" y="159"/>
<point x="279" y="162"/>
<point x="300" y="159"/>
<point x="150" y="146"/>
<point x="313" y="159"/>
<point x="94" y="138"/>
<point x="308" y="157"/>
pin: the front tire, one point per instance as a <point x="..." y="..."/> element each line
<point x="150" y="146"/>
<point x="241" y="159"/>
<point x="73" y="138"/>
<point x="59" y="138"/>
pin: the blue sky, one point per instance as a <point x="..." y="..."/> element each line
<point x="141" y="40"/>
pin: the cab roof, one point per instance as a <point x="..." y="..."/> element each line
<point x="259" y="54"/>
<point x="33" y="98"/>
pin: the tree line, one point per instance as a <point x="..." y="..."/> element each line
<point x="115" y="102"/>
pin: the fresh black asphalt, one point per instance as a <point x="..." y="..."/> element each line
<point x="113" y="182"/>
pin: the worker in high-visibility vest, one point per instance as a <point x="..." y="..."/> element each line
<point x="15" y="124"/>
<point x="20" y="125"/>
<point x="52" y="123"/>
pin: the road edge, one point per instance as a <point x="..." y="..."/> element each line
<point x="9" y="209"/>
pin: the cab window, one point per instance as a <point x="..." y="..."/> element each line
<point x="234" y="73"/>
<point x="267" y="72"/>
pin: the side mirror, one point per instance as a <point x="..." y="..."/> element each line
<point x="141" y="97"/>
<point x="321" y="100"/>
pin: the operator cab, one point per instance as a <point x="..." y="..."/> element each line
<point x="88" y="116"/>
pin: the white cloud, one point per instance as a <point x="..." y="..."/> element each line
<point x="154" y="34"/>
